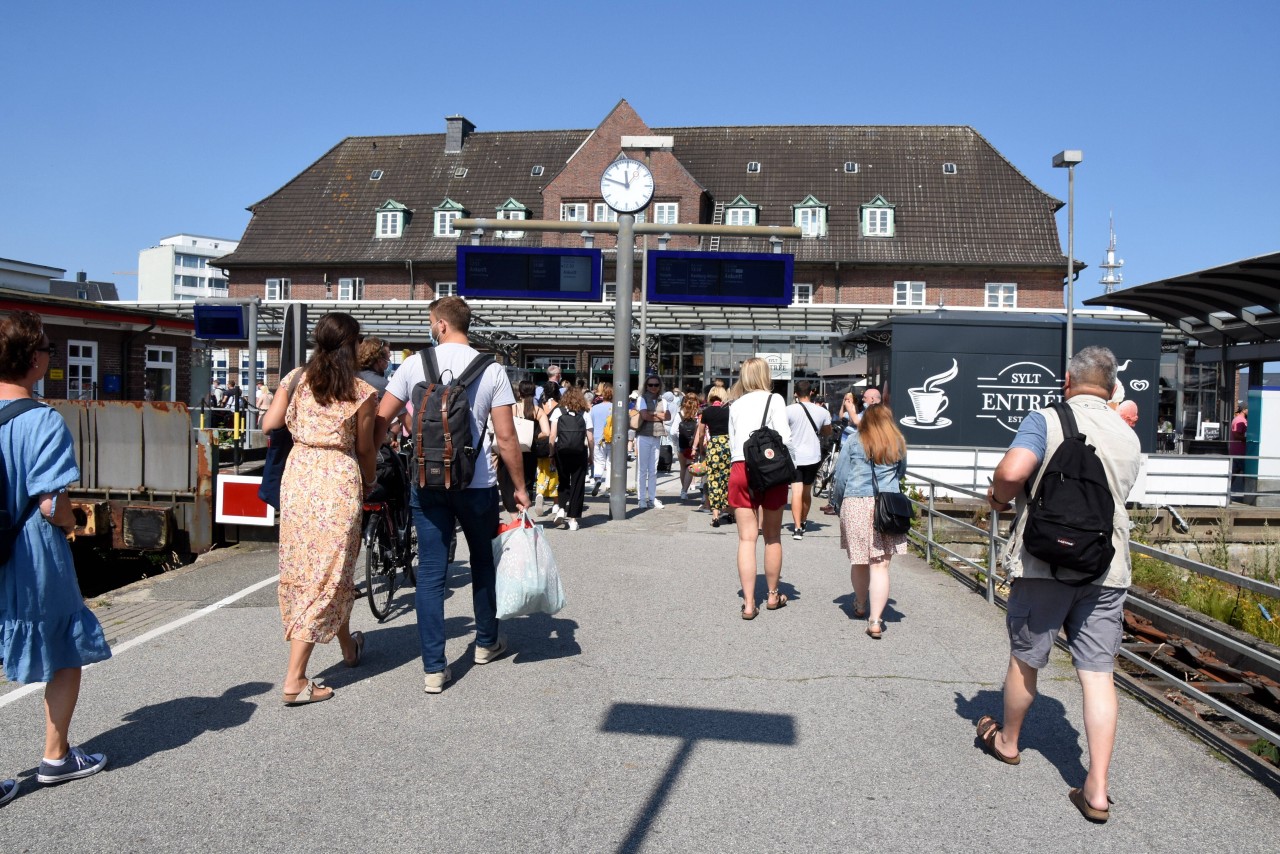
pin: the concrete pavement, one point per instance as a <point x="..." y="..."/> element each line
<point x="646" y="716"/>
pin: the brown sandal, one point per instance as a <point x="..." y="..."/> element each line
<point x="782" y="600"/>
<point x="987" y="729"/>
<point x="1092" y="813"/>
<point x="752" y="615"/>
<point x="875" y="628"/>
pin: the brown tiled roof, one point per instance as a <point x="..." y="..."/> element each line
<point x="988" y="213"/>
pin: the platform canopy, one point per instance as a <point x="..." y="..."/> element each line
<point x="1236" y="305"/>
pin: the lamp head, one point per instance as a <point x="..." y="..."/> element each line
<point x="1070" y="157"/>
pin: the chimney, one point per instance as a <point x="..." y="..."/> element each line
<point x="456" y="131"/>
<point x="82" y="276"/>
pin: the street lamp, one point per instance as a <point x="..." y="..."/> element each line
<point x="1069" y="159"/>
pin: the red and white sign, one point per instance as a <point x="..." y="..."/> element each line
<point x="238" y="502"/>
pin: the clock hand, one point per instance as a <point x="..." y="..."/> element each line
<point x="615" y="181"/>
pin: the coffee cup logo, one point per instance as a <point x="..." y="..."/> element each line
<point x="929" y="401"/>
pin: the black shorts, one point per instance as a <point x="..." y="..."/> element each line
<point x="806" y="474"/>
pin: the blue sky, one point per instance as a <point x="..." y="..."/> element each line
<point x="121" y="124"/>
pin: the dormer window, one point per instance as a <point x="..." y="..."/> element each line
<point x="511" y="209"/>
<point x="810" y="216"/>
<point x="753" y="167"/>
<point x="740" y="211"/>
<point x="391" y="219"/>
<point x="877" y="218"/>
<point x="446" y="212"/>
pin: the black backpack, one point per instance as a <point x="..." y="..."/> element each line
<point x="688" y="428"/>
<point x="768" y="460"/>
<point x="10" y="526"/>
<point x="1069" y="519"/>
<point x="571" y="431"/>
<point x="445" y="457"/>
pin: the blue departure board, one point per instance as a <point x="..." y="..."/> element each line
<point x="502" y="272"/>
<point x="720" y="278"/>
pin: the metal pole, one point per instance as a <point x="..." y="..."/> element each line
<point x="621" y="366"/>
<point x="1071" y="266"/>
<point x="251" y="403"/>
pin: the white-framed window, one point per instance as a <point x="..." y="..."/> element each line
<point x="82" y="370"/>
<point x="444" y="223"/>
<point x="390" y="223"/>
<point x="877" y="222"/>
<point x="161" y="374"/>
<point x="753" y="166"/>
<point x="740" y="216"/>
<point x="250" y="389"/>
<point x="186" y="281"/>
<point x="802" y="295"/>
<point x="812" y="221"/>
<point x="277" y="289"/>
<point x="604" y="213"/>
<point x="446" y="289"/>
<point x="217" y="286"/>
<point x="1002" y="295"/>
<point x="609" y="292"/>
<point x="850" y="167"/>
<point x="908" y="293"/>
<point x="573" y="212"/>
<point x="666" y="213"/>
<point x="949" y="169"/>
<point x="511" y="235"/>
<point x="350" y="289"/>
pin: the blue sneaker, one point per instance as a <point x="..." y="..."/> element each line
<point x="8" y="788"/>
<point x="77" y="764"/>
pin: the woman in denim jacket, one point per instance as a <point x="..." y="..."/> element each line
<point x="880" y="442"/>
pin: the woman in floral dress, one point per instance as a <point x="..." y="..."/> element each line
<point x="713" y="439"/>
<point x="331" y="467"/>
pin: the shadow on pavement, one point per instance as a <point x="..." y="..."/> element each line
<point x="541" y="637"/>
<point x="174" y="723"/>
<point x="690" y="726"/>
<point x="1046" y="731"/>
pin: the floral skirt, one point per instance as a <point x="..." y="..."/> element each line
<point x="718" y="461"/>
<point x="859" y="537"/>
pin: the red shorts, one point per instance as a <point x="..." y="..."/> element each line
<point x="740" y="495"/>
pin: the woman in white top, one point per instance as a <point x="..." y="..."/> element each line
<point x="757" y="403"/>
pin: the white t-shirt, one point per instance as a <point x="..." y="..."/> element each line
<point x="744" y="419"/>
<point x="808" y="448"/>
<point x="492" y="390"/>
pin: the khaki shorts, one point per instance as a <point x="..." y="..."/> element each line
<point x="1092" y="617"/>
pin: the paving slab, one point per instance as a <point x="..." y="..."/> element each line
<point x="645" y="716"/>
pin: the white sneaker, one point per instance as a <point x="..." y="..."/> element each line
<point x="684" y="495"/>
<point x="656" y="505"/>
<point x="557" y="513"/>
<point x="573" y="524"/>
<point x="433" y="683"/>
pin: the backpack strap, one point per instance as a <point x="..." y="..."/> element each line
<point x="1068" y="419"/>
<point x="19" y="406"/>
<point x="764" y="418"/>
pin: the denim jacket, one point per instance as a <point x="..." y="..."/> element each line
<point x="852" y="478"/>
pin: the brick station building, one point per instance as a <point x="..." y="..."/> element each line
<point x="896" y="219"/>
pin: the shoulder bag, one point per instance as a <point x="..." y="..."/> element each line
<point x="893" y="509"/>
<point x="279" y="444"/>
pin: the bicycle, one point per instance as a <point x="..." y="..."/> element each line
<point x="390" y="543"/>
<point x="826" y="471"/>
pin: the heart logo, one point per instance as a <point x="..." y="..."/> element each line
<point x="1139" y="385"/>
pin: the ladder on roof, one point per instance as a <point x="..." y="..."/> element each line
<point x="717" y="218"/>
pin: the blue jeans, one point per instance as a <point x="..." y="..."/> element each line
<point x="435" y="513"/>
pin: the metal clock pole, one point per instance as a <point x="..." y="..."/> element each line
<point x="621" y="366"/>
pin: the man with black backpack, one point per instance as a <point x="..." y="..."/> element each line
<point x="1070" y="467"/>
<point x="455" y="390"/>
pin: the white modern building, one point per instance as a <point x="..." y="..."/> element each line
<point x="177" y="268"/>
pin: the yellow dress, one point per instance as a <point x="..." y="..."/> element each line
<point x="320" y="509"/>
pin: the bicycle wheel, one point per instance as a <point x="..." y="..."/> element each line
<point x="823" y="480"/>
<point x="379" y="573"/>
<point x="411" y="555"/>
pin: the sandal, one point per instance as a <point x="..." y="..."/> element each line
<point x="309" y="694"/>
<point x="782" y="600"/>
<point x="753" y="614"/>
<point x="859" y="610"/>
<point x="987" y="729"/>
<point x="358" y="639"/>
<point x="875" y="628"/>
<point x="1092" y="813"/>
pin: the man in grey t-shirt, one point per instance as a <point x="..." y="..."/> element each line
<point x="436" y="512"/>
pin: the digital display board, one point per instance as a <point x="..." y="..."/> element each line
<point x="501" y="272"/>
<point x="720" y="278"/>
<point x="219" y="322"/>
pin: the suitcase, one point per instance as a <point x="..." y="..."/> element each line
<point x="665" y="457"/>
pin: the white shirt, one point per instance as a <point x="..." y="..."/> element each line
<point x="492" y="390"/>
<point x="808" y="447"/>
<point x="745" y="414"/>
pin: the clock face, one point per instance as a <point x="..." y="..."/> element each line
<point x="627" y="185"/>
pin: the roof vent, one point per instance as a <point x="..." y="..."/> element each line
<point x="850" y="167"/>
<point x="536" y="172"/>
<point x="375" y="175"/>
<point x="753" y="166"/>
<point x="948" y="169"/>
<point x="460" y="172"/>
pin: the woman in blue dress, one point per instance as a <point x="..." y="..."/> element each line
<point x="47" y="633"/>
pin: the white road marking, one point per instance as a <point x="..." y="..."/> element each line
<point x="32" y="687"/>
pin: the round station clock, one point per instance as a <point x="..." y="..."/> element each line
<point x="627" y="185"/>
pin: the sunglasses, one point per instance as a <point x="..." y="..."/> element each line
<point x="654" y="385"/>
<point x="49" y="349"/>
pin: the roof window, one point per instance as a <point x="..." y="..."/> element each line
<point x="375" y="175"/>
<point x="460" y="172"/>
<point x="753" y="167"/>
<point x="536" y="172"/>
<point x="850" y="167"/>
<point x="948" y="169"/>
